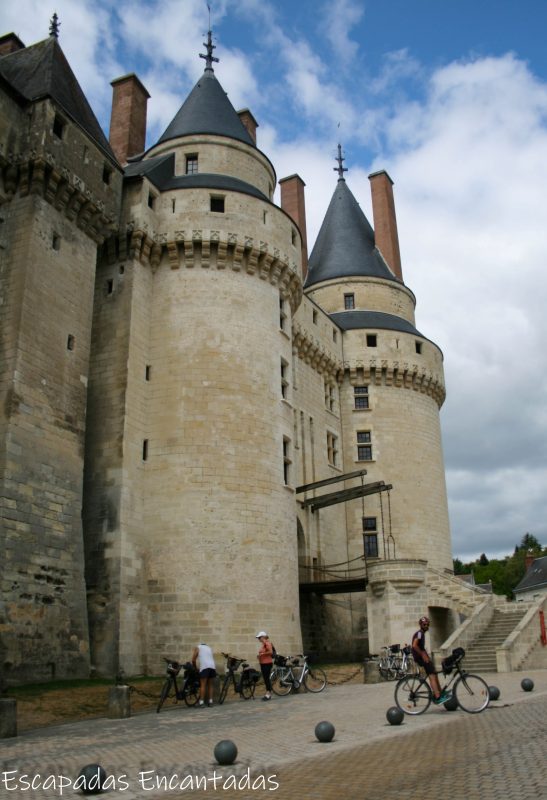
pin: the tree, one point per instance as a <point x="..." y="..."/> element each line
<point x="483" y="561"/>
<point x="529" y="543"/>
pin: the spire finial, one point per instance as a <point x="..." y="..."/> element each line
<point x="340" y="169"/>
<point x="209" y="57"/>
<point x="54" y="25"/>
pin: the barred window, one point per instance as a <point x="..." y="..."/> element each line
<point x="360" y="397"/>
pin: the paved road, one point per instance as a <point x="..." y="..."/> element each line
<point x="501" y="753"/>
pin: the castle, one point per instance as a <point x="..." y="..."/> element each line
<point x="203" y="434"/>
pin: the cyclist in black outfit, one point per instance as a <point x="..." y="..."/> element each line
<point x="422" y="657"/>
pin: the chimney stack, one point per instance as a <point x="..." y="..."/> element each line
<point x="128" y="118"/>
<point x="529" y="560"/>
<point x="249" y="122"/>
<point x="10" y="43"/>
<point x="293" y="202"/>
<point x="385" y="221"/>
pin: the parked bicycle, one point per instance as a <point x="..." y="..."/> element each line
<point x="244" y="682"/>
<point x="189" y="690"/>
<point x="290" y="672"/>
<point x="396" y="662"/>
<point x="413" y="694"/>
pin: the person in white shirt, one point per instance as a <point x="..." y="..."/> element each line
<point x="207" y="672"/>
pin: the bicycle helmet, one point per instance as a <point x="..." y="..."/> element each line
<point x="260" y="634"/>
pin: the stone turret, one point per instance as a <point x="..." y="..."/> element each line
<point x="390" y="395"/>
<point x="191" y="520"/>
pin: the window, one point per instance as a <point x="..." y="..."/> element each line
<point x="70" y="342"/>
<point x="349" y="301"/>
<point x="364" y="447"/>
<point x="173" y="205"/>
<point x="370" y="541"/>
<point x="107" y="174"/>
<point x="334" y="335"/>
<point x="369" y="524"/>
<point x="147" y="372"/>
<point x="151" y="200"/>
<point x="282" y="313"/>
<point x="314" y="317"/>
<point x="264" y="216"/>
<point x="371" y="340"/>
<point x="332" y="449"/>
<point x="145" y="450"/>
<point x="217" y="204"/>
<point x="360" y="397"/>
<point x="109" y="286"/>
<point x="286" y="460"/>
<point x="59" y="126"/>
<point x="191" y="164"/>
<point x="419" y="348"/>
<point x="284" y="380"/>
<point x="56" y="241"/>
<point x="330" y="396"/>
<point x="293" y="236"/>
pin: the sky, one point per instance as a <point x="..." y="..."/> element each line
<point x="451" y="99"/>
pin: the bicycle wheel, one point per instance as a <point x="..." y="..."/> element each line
<point x="387" y="673"/>
<point x="166" y="688"/>
<point x="191" y="693"/>
<point x="315" y="680"/>
<point x="246" y="687"/>
<point x="471" y="692"/>
<point x="280" y="678"/>
<point x="224" y="690"/>
<point x="413" y="695"/>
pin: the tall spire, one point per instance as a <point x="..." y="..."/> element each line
<point x="340" y="169"/>
<point x="54" y="25"/>
<point x="209" y="57"/>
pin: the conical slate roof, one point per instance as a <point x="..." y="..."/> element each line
<point x="207" y="110"/>
<point x="41" y="70"/>
<point x="345" y="245"/>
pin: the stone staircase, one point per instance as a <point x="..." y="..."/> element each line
<point x="480" y="655"/>
<point x="451" y="592"/>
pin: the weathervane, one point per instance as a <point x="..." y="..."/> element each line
<point x="340" y="169"/>
<point x="209" y="58"/>
<point x="54" y="25"/>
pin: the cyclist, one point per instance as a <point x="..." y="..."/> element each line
<point x="207" y="672"/>
<point x="265" y="659"/>
<point x="422" y="657"/>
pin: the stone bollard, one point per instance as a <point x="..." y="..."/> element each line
<point x="8" y="717"/>
<point x="371" y="673"/>
<point x="119" y="702"/>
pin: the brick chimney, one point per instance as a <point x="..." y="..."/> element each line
<point x="249" y="122"/>
<point x="385" y="221"/>
<point x="293" y="202"/>
<point x="529" y="560"/>
<point x="9" y="43"/>
<point x="128" y="118"/>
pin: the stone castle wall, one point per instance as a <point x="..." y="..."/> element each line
<point x="52" y="222"/>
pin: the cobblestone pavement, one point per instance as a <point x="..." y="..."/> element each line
<point x="500" y="753"/>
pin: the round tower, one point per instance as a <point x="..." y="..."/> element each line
<point x="206" y="512"/>
<point x="391" y="392"/>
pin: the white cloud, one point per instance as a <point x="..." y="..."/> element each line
<point x="337" y="21"/>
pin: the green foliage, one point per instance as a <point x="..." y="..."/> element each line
<point x="505" y="573"/>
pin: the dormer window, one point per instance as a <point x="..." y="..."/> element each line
<point x="191" y="164"/>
